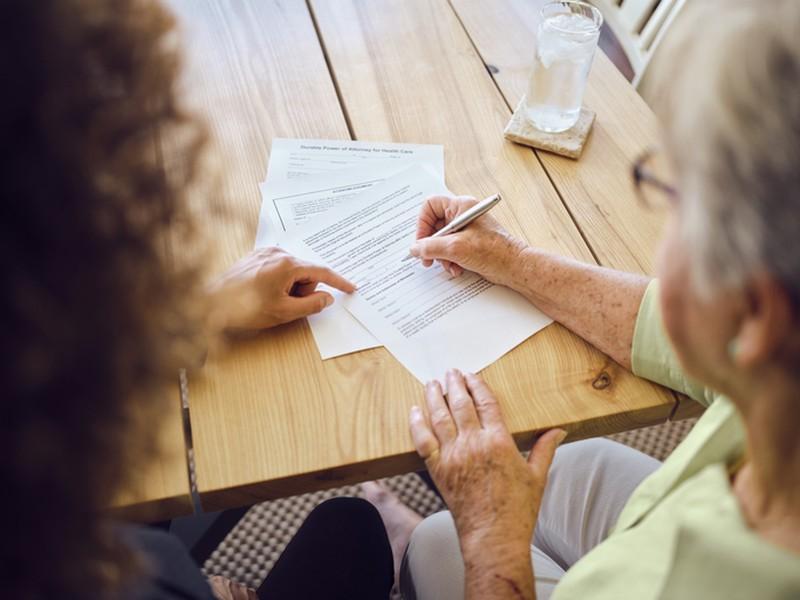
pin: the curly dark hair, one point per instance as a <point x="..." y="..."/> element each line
<point x="95" y="314"/>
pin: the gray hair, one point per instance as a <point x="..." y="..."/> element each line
<point x="731" y="111"/>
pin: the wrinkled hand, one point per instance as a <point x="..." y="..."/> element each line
<point x="483" y="247"/>
<point x="269" y="287"/>
<point x="225" y="589"/>
<point x="493" y="493"/>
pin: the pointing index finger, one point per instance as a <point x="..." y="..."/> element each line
<point x="326" y="275"/>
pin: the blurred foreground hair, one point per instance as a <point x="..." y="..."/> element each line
<point x="95" y="317"/>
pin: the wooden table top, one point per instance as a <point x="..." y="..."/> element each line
<point x="269" y="418"/>
<point x="160" y="491"/>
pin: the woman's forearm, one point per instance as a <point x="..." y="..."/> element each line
<point x="499" y="571"/>
<point x="597" y="303"/>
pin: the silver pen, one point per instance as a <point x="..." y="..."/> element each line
<point x="466" y="218"/>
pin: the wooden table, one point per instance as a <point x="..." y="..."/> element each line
<point x="160" y="490"/>
<point x="269" y="418"/>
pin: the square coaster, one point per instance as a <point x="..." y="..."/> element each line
<point x="568" y="143"/>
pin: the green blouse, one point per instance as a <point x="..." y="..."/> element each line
<point x="681" y="534"/>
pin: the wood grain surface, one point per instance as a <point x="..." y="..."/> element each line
<point x="160" y="490"/>
<point x="269" y="418"/>
<point x="596" y="189"/>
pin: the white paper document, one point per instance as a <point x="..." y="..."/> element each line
<point x="306" y="178"/>
<point x="287" y="204"/>
<point x="309" y="178"/>
<point x="293" y="158"/>
<point x="429" y="320"/>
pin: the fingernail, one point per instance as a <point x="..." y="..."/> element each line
<point x="328" y="300"/>
<point x="414" y="250"/>
<point x="562" y="436"/>
<point x="414" y="410"/>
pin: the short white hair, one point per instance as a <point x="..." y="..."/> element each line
<point x="728" y="80"/>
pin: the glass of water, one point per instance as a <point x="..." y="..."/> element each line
<point x="565" y="45"/>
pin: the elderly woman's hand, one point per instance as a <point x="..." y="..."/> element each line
<point x="269" y="287"/>
<point x="484" y="247"/>
<point x="493" y="493"/>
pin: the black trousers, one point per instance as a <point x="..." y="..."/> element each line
<point x="340" y="552"/>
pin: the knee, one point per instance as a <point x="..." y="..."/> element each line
<point x="353" y="516"/>
<point x="434" y="536"/>
<point x="346" y="507"/>
<point x="432" y="566"/>
<point x="596" y="466"/>
<point x="594" y="451"/>
<point x="589" y="447"/>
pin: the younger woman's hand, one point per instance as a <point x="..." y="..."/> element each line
<point x="269" y="287"/>
<point x="483" y="247"/>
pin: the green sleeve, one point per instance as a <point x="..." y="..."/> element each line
<point x="652" y="355"/>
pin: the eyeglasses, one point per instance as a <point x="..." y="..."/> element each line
<point x="650" y="172"/>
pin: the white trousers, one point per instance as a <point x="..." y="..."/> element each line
<point x="590" y="481"/>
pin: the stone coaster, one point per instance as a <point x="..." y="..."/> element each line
<point x="568" y="143"/>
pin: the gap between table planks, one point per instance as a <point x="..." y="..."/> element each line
<point x="620" y="232"/>
<point x="269" y="417"/>
<point x="597" y="188"/>
<point x="160" y="490"/>
<point x="376" y="49"/>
